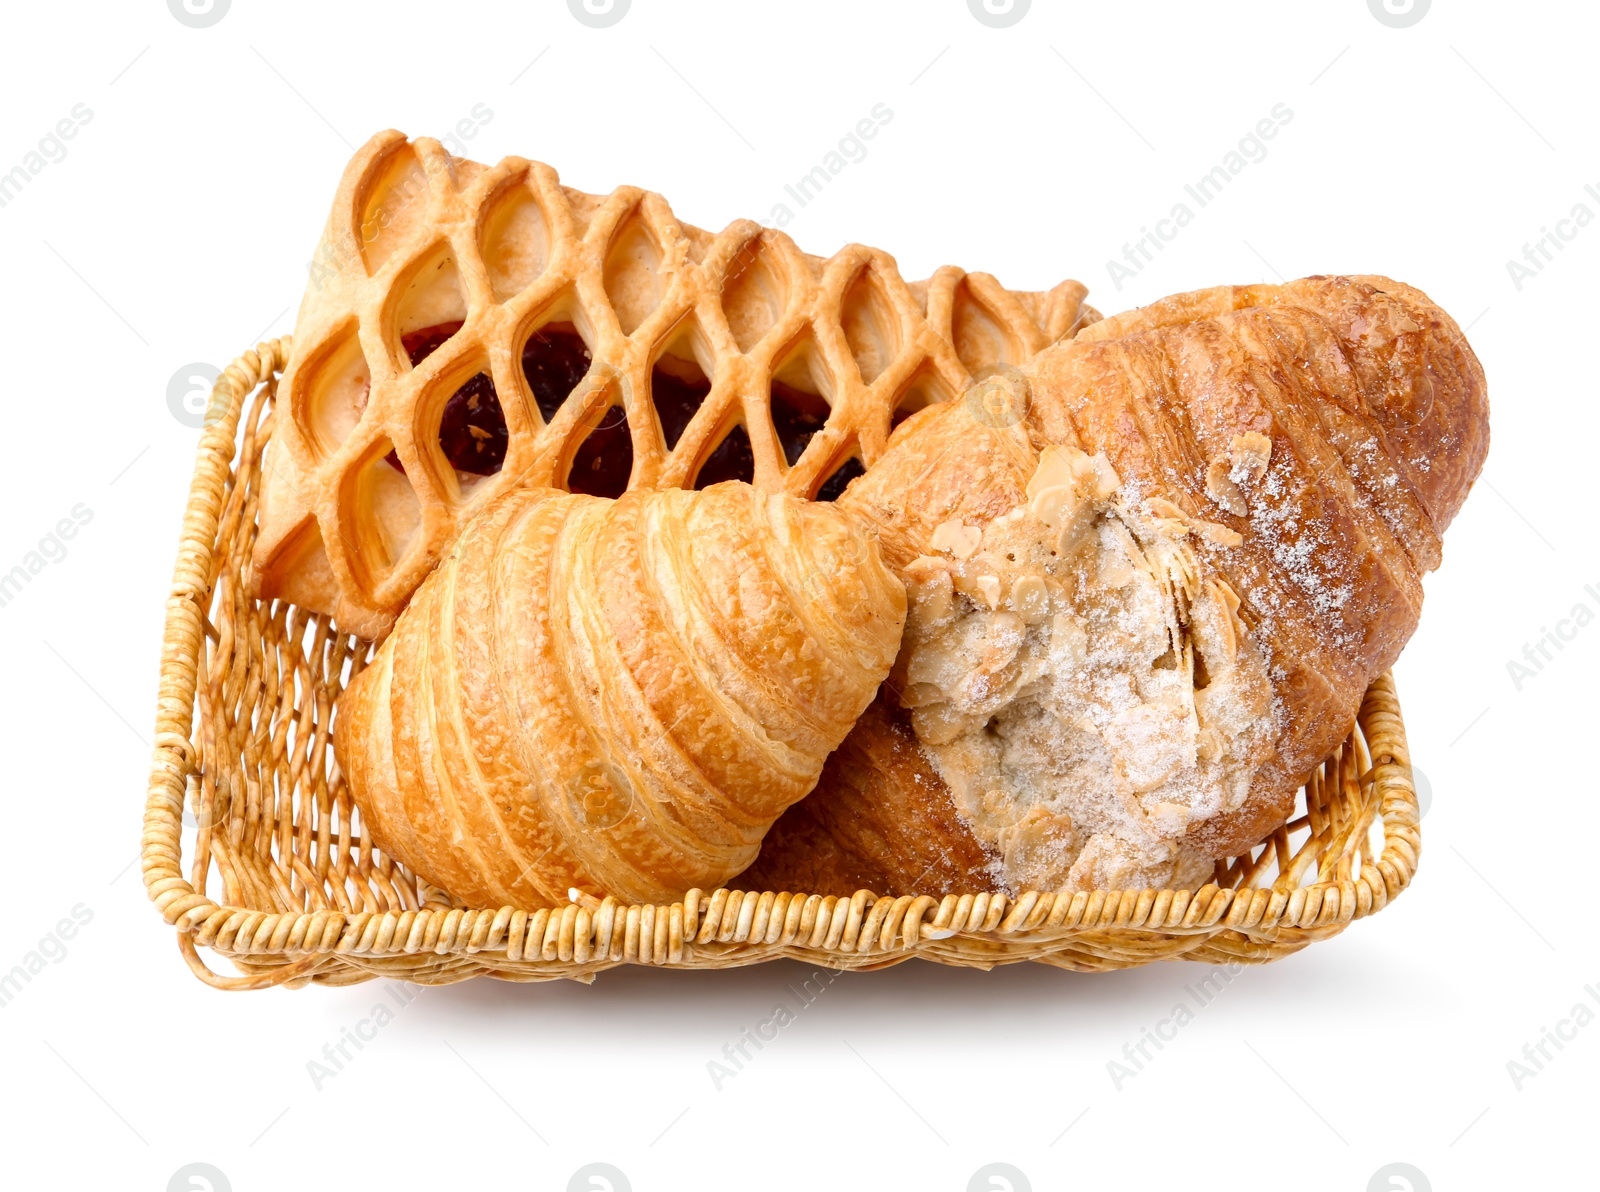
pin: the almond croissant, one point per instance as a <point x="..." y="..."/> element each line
<point x="619" y="696"/>
<point x="1151" y="576"/>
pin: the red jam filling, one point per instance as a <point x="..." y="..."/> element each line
<point x="472" y="430"/>
<point x="473" y="435"/>
<point x="796" y="416"/>
<point x="833" y="487"/>
<point x="676" y="401"/>
<point x="604" y="460"/>
<point x="554" y="360"/>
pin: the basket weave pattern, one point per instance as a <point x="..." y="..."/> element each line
<point x="283" y="881"/>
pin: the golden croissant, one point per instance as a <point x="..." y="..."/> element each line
<point x="618" y="696"/>
<point x="1150" y="576"/>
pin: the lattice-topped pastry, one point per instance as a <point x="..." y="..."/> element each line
<point x="470" y="328"/>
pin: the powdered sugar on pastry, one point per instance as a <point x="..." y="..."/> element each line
<point x="1084" y="693"/>
<point x="1301" y="446"/>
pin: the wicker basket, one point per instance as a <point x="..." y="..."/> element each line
<point x="283" y="882"/>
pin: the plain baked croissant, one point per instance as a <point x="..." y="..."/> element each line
<point x="618" y="696"/>
<point x="1150" y="577"/>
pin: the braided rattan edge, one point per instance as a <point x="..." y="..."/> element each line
<point x="726" y="928"/>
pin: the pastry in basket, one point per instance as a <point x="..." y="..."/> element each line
<point x="470" y="329"/>
<point x="617" y="696"/>
<point x="1151" y="575"/>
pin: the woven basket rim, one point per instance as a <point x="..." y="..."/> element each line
<point x="702" y="929"/>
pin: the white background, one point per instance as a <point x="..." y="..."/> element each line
<point x="177" y="229"/>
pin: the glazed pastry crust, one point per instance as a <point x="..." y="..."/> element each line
<point x="418" y="238"/>
<point x="879" y="820"/>
<point x="617" y="696"/>
<point x="1378" y="417"/>
<point x="1301" y="447"/>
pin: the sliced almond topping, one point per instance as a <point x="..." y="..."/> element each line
<point x="1164" y="510"/>
<point x="1170" y="819"/>
<point x="1218" y="533"/>
<point x="1221" y="617"/>
<point x="1063" y="508"/>
<point x="1060" y="505"/>
<point x="1092" y="475"/>
<point x="1069" y="641"/>
<point x="1228" y="596"/>
<point x="1221" y="488"/>
<point x="1030" y="598"/>
<point x="1230" y="601"/>
<point x="924" y="567"/>
<point x="989" y="588"/>
<point x="1055" y="469"/>
<point x="1115" y="569"/>
<point x="1102" y="477"/>
<point x="1249" y="454"/>
<point x="931" y="598"/>
<point x="1053" y="505"/>
<point x="961" y="541"/>
<point x="1002" y="643"/>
